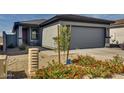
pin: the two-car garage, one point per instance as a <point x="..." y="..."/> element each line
<point x="81" y="37"/>
<point x="87" y="37"/>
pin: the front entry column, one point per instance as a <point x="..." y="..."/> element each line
<point x="107" y="38"/>
<point x="20" y="36"/>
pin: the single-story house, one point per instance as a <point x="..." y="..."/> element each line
<point x="86" y="32"/>
<point x="117" y="32"/>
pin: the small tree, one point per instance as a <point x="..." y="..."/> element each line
<point x="68" y="34"/>
<point x="63" y="39"/>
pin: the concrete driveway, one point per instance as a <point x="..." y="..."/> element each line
<point x="99" y="53"/>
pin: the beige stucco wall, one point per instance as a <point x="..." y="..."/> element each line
<point x="117" y="34"/>
<point x="48" y="34"/>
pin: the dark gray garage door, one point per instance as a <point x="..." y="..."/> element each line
<point x="87" y="37"/>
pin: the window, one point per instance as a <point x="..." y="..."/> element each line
<point x="34" y="34"/>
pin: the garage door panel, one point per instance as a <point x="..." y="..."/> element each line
<point x="87" y="37"/>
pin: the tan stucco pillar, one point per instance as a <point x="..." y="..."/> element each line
<point x="107" y="38"/>
<point x="33" y="61"/>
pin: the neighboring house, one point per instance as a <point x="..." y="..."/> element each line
<point x="86" y="32"/>
<point x="28" y="32"/>
<point x="117" y="32"/>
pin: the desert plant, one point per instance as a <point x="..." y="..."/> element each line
<point x="84" y="60"/>
<point x="117" y="59"/>
<point x="117" y="42"/>
<point x="113" y="40"/>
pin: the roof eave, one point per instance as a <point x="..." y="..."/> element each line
<point x="60" y="18"/>
<point x="116" y="25"/>
<point x="16" y="24"/>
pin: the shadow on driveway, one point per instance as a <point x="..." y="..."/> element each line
<point x="16" y="75"/>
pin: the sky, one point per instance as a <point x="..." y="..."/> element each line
<point x="7" y="20"/>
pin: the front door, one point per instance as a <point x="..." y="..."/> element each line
<point x="24" y="33"/>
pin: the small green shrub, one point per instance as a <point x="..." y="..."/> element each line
<point x="117" y="59"/>
<point x="23" y="47"/>
<point x="84" y="60"/>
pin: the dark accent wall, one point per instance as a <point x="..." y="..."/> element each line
<point x="4" y="41"/>
<point x="11" y="40"/>
<point x="40" y="36"/>
<point x="28" y="36"/>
